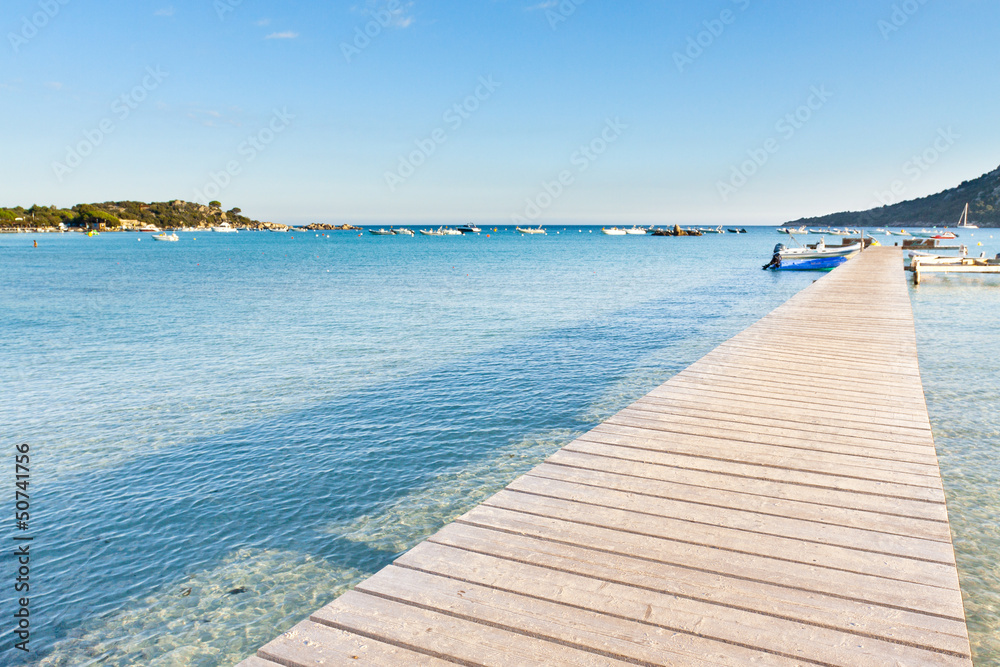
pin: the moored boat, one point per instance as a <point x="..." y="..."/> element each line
<point x="224" y="228"/>
<point x="469" y="229"/>
<point x="817" y="264"/>
<point x="530" y="230"/>
<point x="613" y="231"/>
<point x="381" y="232"/>
<point x="163" y="236"/>
<point x="819" y="251"/>
<point x="402" y="231"/>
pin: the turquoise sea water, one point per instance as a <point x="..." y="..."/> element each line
<point x="229" y="431"/>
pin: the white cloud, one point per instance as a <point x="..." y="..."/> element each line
<point x="288" y="34"/>
<point x="401" y="16"/>
<point x="166" y="11"/>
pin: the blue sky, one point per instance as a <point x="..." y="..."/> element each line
<point x="728" y="111"/>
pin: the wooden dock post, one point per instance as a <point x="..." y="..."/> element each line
<point x="776" y="503"/>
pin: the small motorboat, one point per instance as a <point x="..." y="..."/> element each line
<point x="149" y="229"/>
<point x="714" y="230"/>
<point x="638" y="231"/>
<point x="403" y="231"/>
<point x="224" y="228"/>
<point x="818" y="264"/>
<point x="532" y="230"/>
<point x="469" y="229"/>
<point x="381" y="232"/>
<point x="736" y="230"/>
<point x="163" y="236"/>
<point x="613" y="231"/>
<point x="793" y="230"/>
<point x="819" y="251"/>
<point x="431" y="232"/>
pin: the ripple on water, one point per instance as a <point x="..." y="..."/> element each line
<point x="212" y="617"/>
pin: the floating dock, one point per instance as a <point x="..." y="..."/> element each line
<point x="779" y="502"/>
<point x="919" y="265"/>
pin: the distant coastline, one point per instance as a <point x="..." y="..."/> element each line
<point x="126" y="216"/>
<point x="938" y="210"/>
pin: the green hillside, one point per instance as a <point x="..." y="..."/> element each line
<point x="126" y="214"/>
<point x="941" y="209"/>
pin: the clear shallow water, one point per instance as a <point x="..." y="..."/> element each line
<point x="958" y="337"/>
<point x="229" y="431"/>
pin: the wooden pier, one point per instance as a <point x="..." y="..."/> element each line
<point x="779" y="502"/>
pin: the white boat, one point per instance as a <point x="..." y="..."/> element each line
<point x="381" y="232"/>
<point x="793" y="230"/>
<point x="441" y="231"/>
<point x="224" y="228"/>
<point x="403" y="231"/>
<point x="163" y="236"/>
<point x="149" y="228"/>
<point x="277" y="229"/>
<point x="963" y="221"/>
<point x="820" y="251"/>
<point x="613" y="231"/>
<point x="530" y="230"/>
<point x="714" y="230"/>
<point x="638" y="231"/>
<point x="901" y="232"/>
<point x="469" y="229"/>
<point x="823" y="230"/>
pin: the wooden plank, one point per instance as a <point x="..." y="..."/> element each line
<point x="760" y="523"/>
<point x="529" y="593"/>
<point x="773" y="599"/>
<point x="728" y="493"/>
<point x="448" y="636"/>
<point x="728" y="539"/>
<point x="310" y="643"/>
<point x="784" y="453"/>
<point x="770" y="505"/>
<point x="805" y="574"/>
<point x="789" y="486"/>
<point x="254" y="661"/>
<point x="514" y="597"/>
<point x="890" y="497"/>
<point x="902" y="466"/>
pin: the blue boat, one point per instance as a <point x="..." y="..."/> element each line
<point x="821" y="264"/>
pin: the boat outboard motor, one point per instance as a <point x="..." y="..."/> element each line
<point x="776" y="258"/>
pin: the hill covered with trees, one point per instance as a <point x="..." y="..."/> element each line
<point x="127" y="215"/>
<point x="942" y="209"/>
